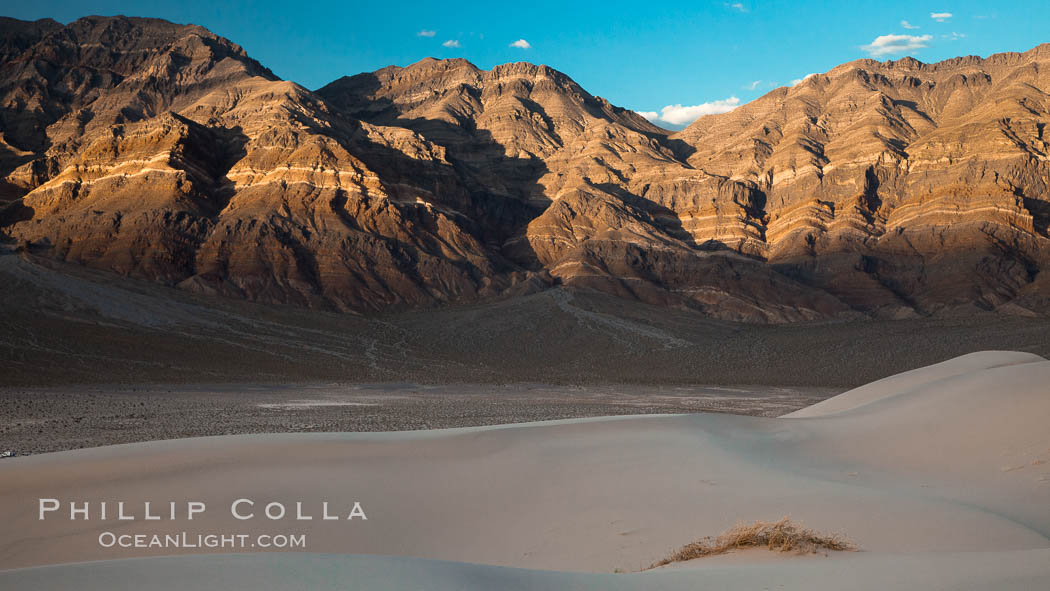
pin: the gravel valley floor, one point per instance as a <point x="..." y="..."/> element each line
<point x="39" y="420"/>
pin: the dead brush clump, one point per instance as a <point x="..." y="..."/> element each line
<point x="778" y="536"/>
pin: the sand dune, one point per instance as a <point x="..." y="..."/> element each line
<point x="942" y="474"/>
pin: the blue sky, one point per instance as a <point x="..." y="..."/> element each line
<point x="704" y="56"/>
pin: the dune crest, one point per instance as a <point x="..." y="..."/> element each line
<point x="912" y="381"/>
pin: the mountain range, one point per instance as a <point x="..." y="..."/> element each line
<point x="878" y="189"/>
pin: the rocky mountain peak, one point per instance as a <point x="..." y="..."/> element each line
<point x="163" y="151"/>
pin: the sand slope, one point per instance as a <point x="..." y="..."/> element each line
<point x="949" y="465"/>
<point x="1024" y="570"/>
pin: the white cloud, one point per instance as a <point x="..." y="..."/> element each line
<point x="940" y="16"/>
<point x="759" y="84"/>
<point x="954" y="36"/>
<point x="737" y="6"/>
<point x="521" y="44"/>
<point x="892" y="44"/>
<point x="798" y="81"/>
<point x="426" y="33"/>
<point x="908" y="25"/>
<point x="451" y="43"/>
<point x="681" y="115"/>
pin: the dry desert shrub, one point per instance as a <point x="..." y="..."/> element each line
<point x="779" y="536"/>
